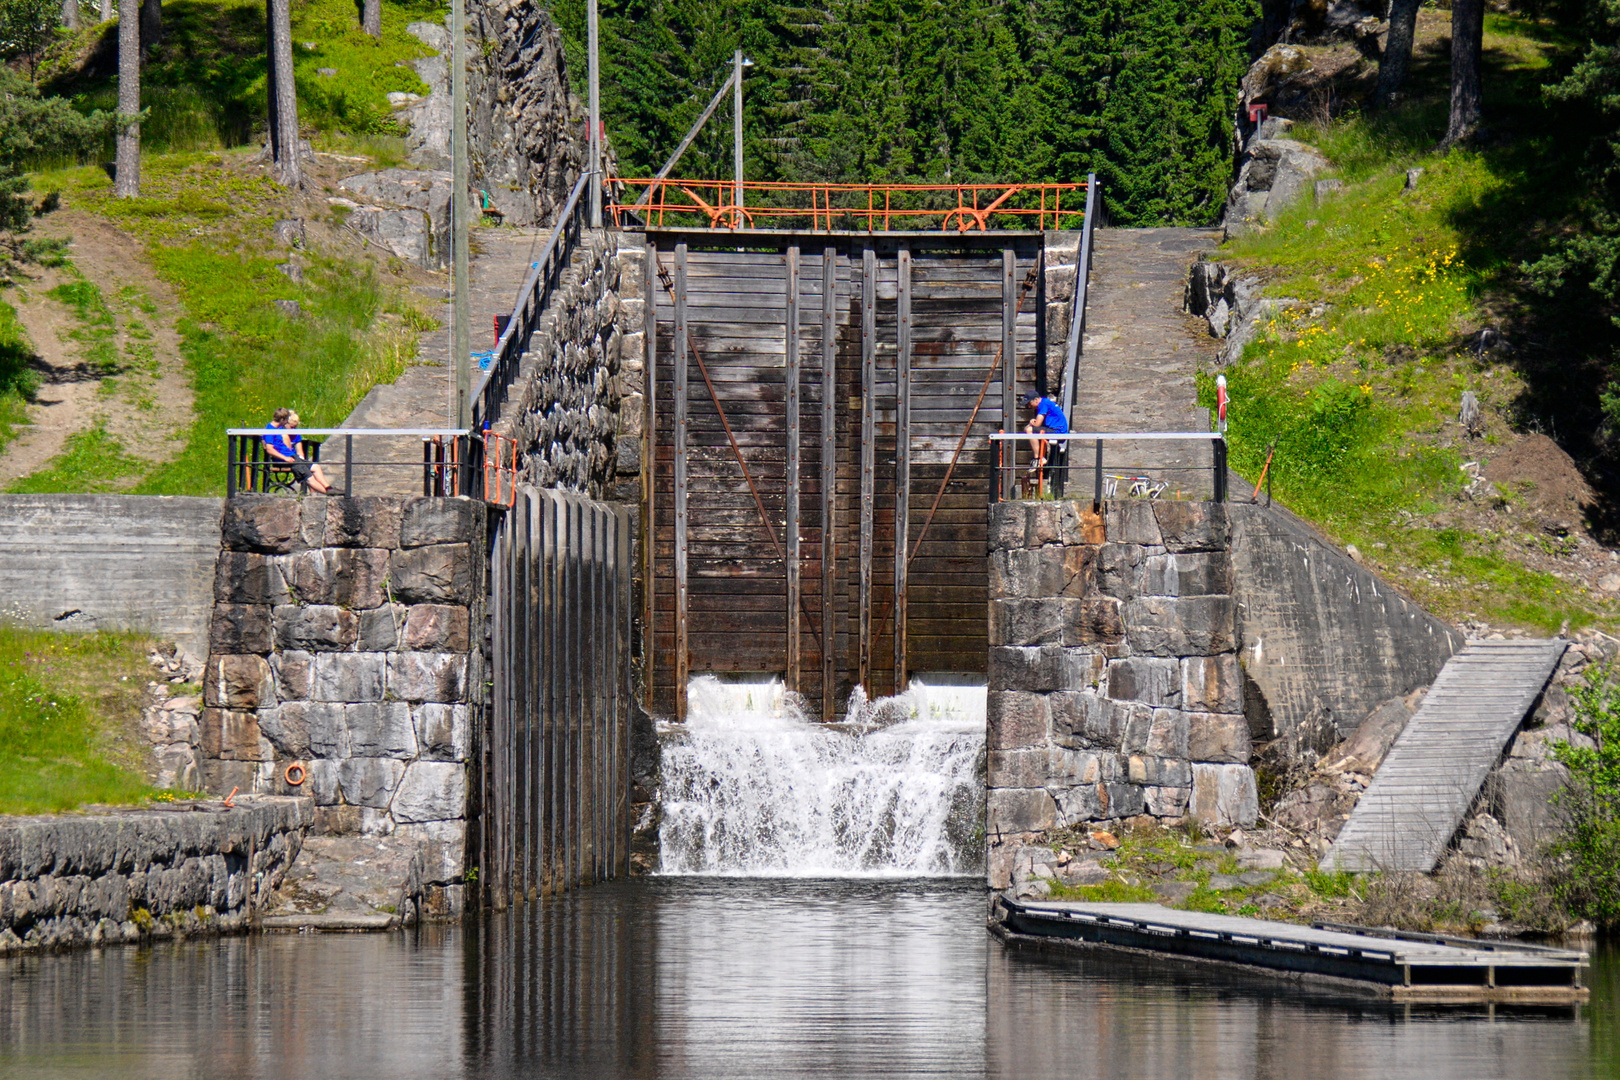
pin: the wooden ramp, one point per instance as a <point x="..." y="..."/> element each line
<point x="1433" y="772"/>
<point x="1405" y="966"/>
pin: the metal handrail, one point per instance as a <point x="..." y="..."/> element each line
<point x="1006" y="468"/>
<point x="490" y="393"/>
<point x="451" y="462"/>
<point x="1077" y="316"/>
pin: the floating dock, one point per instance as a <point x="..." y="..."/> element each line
<point x="1404" y="966"/>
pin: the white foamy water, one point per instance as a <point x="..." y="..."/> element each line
<point x="752" y="787"/>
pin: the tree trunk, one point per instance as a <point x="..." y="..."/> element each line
<point x="1467" y="36"/>
<point x="283" y="97"/>
<point x="151" y="22"/>
<point x="371" y="18"/>
<point x="107" y="10"/>
<point x="127" y="162"/>
<point x="1397" y="58"/>
<point x="70" y="14"/>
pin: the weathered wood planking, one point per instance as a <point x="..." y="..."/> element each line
<point x="892" y="345"/>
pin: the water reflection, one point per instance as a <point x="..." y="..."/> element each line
<point x="680" y="978"/>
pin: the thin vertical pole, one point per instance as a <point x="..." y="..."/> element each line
<point x="549" y="701"/>
<point x="649" y="479"/>
<point x="682" y="658"/>
<point x="626" y="697"/>
<point x="902" y="465"/>
<point x="829" y="474"/>
<point x="536" y="674"/>
<point x="1009" y="340"/>
<point x="595" y="115"/>
<point x="737" y="128"/>
<point x="497" y="717"/>
<point x="794" y="660"/>
<point x="461" y="328"/>
<point x="868" y="454"/>
<point x="517" y="655"/>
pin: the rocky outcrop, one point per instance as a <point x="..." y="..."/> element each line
<point x="176" y="871"/>
<point x="1232" y="306"/>
<point x="1273" y="174"/>
<point x="403" y="211"/>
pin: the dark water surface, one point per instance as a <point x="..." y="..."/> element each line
<point x="699" y="978"/>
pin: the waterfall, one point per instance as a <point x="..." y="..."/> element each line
<point x="751" y="786"/>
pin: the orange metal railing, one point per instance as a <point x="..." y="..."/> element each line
<point x="869" y="207"/>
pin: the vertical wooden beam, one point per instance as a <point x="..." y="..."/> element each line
<point x="682" y="655"/>
<point x="548" y="664"/>
<point x="829" y="476"/>
<point x="794" y="593"/>
<point x="868" y="454"/>
<point x="498" y="805"/>
<point x="535" y="676"/>
<point x="649" y="479"/>
<point x="1009" y="340"/>
<point x="627" y="696"/>
<point x="518" y="522"/>
<point x="902" y="464"/>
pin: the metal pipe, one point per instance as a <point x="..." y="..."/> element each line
<point x="1077" y="318"/>
<point x="595" y="116"/>
<point x="736" y="129"/>
<point x="460" y="337"/>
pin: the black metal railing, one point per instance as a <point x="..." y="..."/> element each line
<point x="496" y="382"/>
<point x="450" y="461"/>
<point x="1166" y="477"/>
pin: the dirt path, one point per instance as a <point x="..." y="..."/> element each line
<point x="147" y="405"/>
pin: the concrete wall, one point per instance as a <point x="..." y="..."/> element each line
<point x="346" y="638"/>
<point x="90" y="562"/>
<point x="1325" y="640"/>
<point x="144" y="873"/>
<point x="1114" y="687"/>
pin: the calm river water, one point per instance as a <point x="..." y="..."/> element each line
<point x="707" y="978"/>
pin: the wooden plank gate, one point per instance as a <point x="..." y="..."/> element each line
<point x="817" y="474"/>
<point x="555" y="783"/>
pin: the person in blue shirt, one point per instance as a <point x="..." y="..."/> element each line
<point x="288" y="449"/>
<point x="1049" y="418"/>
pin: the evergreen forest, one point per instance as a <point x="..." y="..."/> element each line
<point x="925" y="91"/>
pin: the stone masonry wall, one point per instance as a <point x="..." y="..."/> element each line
<point x="1114" y="686"/>
<point x="143" y="873"/>
<point x="346" y="638"/>
<point x="575" y="407"/>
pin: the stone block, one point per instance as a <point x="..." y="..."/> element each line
<point x="443" y="845"/>
<point x="1025" y="768"/>
<point x="1131" y="521"/>
<point x="1019" y="810"/>
<point x="233" y="735"/>
<point x="1121" y="800"/>
<point x="349" y="677"/>
<point x="363" y="522"/>
<point x="437" y="628"/>
<point x="347" y="577"/>
<point x="1167" y="734"/>
<point x="1096" y="621"/>
<point x="1070" y="767"/>
<point x="1050" y="621"/>
<point x="382" y="629"/>
<point x="422" y="676"/>
<point x="444" y="732"/>
<point x="1088" y="718"/>
<point x="262" y="523"/>
<point x="1520" y="796"/>
<point x="1006" y="525"/>
<point x="321" y="783"/>
<point x="1195" y="574"/>
<point x="438" y="574"/>
<point x="1136" y="727"/>
<point x="294" y="672"/>
<point x="1224" y="795"/>
<point x="287" y="729"/>
<point x="1014" y="720"/>
<point x="316" y="628"/>
<point x="998" y="866"/>
<point x="238" y="681"/>
<point x="1041" y="523"/>
<point x="219" y="777"/>
<point x="1078" y="523"/>
<point x="247" y="577"/>
<point x="1212" y="684"/>
<point x="239" y="628"/>
<point x="1181" y="626"/>
<point x="1117" y="570"/>
<point x="434" y="520"/>
<point x="1218" y="737"/>
<point x="1083" y="802"/>
<point x="1151" y="680"/>
<point x="324" y="723"/>
<point x="381" y="729"/>
<point x="1159" y="771"/>
<point x="1192" y="526"/>
<point x="431" y="791"/>
<point x="1166" y="801"/>
<point x="369" y="781"/>
<point x="1022" y="573"/>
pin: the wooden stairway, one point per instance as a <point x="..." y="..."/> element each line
<point x="1433" y="772"/>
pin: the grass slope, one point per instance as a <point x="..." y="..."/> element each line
<point x="1357" y="383"/>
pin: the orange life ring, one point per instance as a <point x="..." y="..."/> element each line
<point x="288" y="775"/>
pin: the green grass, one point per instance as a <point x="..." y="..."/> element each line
<point x="67" y="702"/>
<point x="1355" y="384"/>
<point x="91" y="461"/>
<point x="97" y="332"/>
<point x="18" y="381"/>
<point x="205" y="86"/>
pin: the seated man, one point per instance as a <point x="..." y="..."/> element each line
<point x="1048" y="418"/>
<point x="288" y="450"/>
